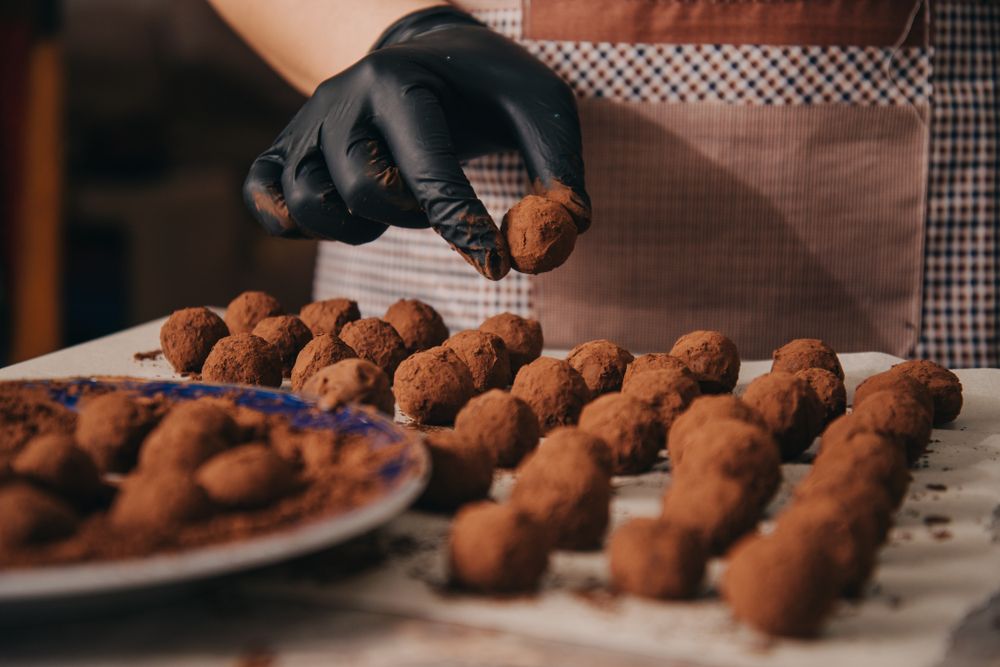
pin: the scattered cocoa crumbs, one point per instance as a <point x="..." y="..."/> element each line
<point x="148" y="356"/>
<point x="937" y="487"/>
<point x="936" y="519"/>
<point x="941" y="535"/>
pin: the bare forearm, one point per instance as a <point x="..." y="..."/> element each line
<point x="308" y="41"/>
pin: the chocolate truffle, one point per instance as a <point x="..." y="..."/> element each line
<point x="246" y="477"/>
<point x="655" y="361"/>
<point x="669" y="392"/>
<point x="329" y="316"/>
<point x="705" y="410"/>
<point x="243" y="359"/>
<point x="188" y="335"/>
<point x="375" y="341"/>
<point x="191" y="433"/>
<point x="716" y="508"/>
<point x="894" y="415"/>
<point x="780" y="587"/>
<point x="56" y="463"/>
<point x="855" y="494"/>
<point x="245" y="311"/>
<point x="500" y="422"/>
<point x="322" y="351"/>
<point x="541" y="234"/>
<point x="497" y="549"/>
<point x="158" y="500"/>
<point x="865" y="454"/>
<point x="712" y="358"/>
<point x="110" y="427"/>
<point x="553" y="389"/>
<point x="630" y="428"/>
<point x="461" y="471"/>
<point x="572" y="439"/>
<point x="829" y="390"/>
<point x="943" y="385"/>
<point x="417" y="323"/>
<point x="889" y="381"/>
<point x="790" y="410"/>
<point x="288" y="334"/>
<point x="655" y="559"/>
<point x="802" y="353"/>
<point x="486" y="357"/>
<point x="602" y="365"/>
<point x="523" y="337"/>
<point x="30" y="516"/>
<point x="351" y="381"/>
<point x="432" y="386"/>
<point x="567" y="491"/>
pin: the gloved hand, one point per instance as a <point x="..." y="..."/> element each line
<point x="380" y="143"/>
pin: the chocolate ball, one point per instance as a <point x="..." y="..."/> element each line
<point x="848" y="453"/>
<point x="669" y="392"/>
<point x="630" y="428"/>
<point x="29" y="515"/>
<point x="322" y="351"/>
<point x="655" y="361"/>
<point x="245" y="311"/>
<point x="567" y="491"/>
<point x="158" y="500"/>
<point x="790" y="410"/>
<point x="829" y="390"/>
<point x="55" y="462"/>
<point x="417" y="323"/>
<point x="188" y="335"/>
<point x="574" y="440"/>
<point x="602" y="365"/>
<point x="501" y="423"/>
<point x="856" y="494"/>
<point x="351" y="381"/>
<point x="432" y="386"/>
<point x="461" y="471"/>
<point x="246" y="477"/>
<point x="288" y="334"/>
<point x="243" y="359"/>
<point x="191" y="433"/>
<point x="712" y="358"/>
<point x="486" y="357"/>
<point x="716" y="508"/>
<point x="802" y="353"/>
<point x="705" y="410"/>
<point x="889" y="381"/>
<point x="943" y="385"/>
<point x="540" y="233"/>
<point x="110" y="428"/>
<point x="375" y="341"/>
<point x="523" y="337"/>
<point x="655" y="559"/>
<point x="553" y="389"/>
<point x="329" y="316"/>
<point x="497" y="549"/>
<point x="895" y="415"/>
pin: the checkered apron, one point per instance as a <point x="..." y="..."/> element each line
<point x="768" y="182"/>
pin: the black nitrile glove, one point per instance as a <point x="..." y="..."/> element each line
<point x="380" y="143"/>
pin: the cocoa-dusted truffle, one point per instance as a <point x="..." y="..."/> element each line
<point x="567" y="491"/>
<point x="191" y="433"/>
<point x="461" y="471"/>
<point x="322" y="351"/>
<point x="246" y="310"/>
<point x="30" y="516"/>
<point x="780" y="587"/>
<point x="375" y="341"/>
<point x="802" y="353"/>
<point x="497" y="549"/>
<point x="895" y="415"/>
<point x="943" y="385"/>
<point x="655" y="559"/>
<point x="573" y="439"/>
<point x="829" y="390"/>
<point x="351" y="381"/>
<point x="417" y="323"/>
<point x="55" y="462"/>
<point x="432" y="386"/>
<point x="330" y="315"/>
<point x="790" y="410"/>
<point x="716" y="508"/>
<point x="630" y="428"/>
<point x="854" y="493"/>
<point x="500" y="422"/>
<point x="188" y="335"/>
<point x="889" y="381"/>
<point x="712" y="358"/>
<point x="669" y="392"/>
<point x="110" y="427"/>
<point x="540" y="233"/>
<point x="158" y="500"/>
<point x="288" y="334"/>
<point x="553" y="389"/>
<point x="246" y="477"/>
<point x="243" y="359"/>
<point x="849" y="453"/>
<point x="602" y="365"/>
<point x="522" y="336"/>
<point x="655" y="361"/>
<point x="486" y="357"/>
<point x="705" y="410"/>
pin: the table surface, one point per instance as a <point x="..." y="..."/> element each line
<point x="362" y="603"/>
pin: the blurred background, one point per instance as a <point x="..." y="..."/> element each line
<point x="126" y="128"/>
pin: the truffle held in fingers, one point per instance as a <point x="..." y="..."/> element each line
<point x="541" y="234"/>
